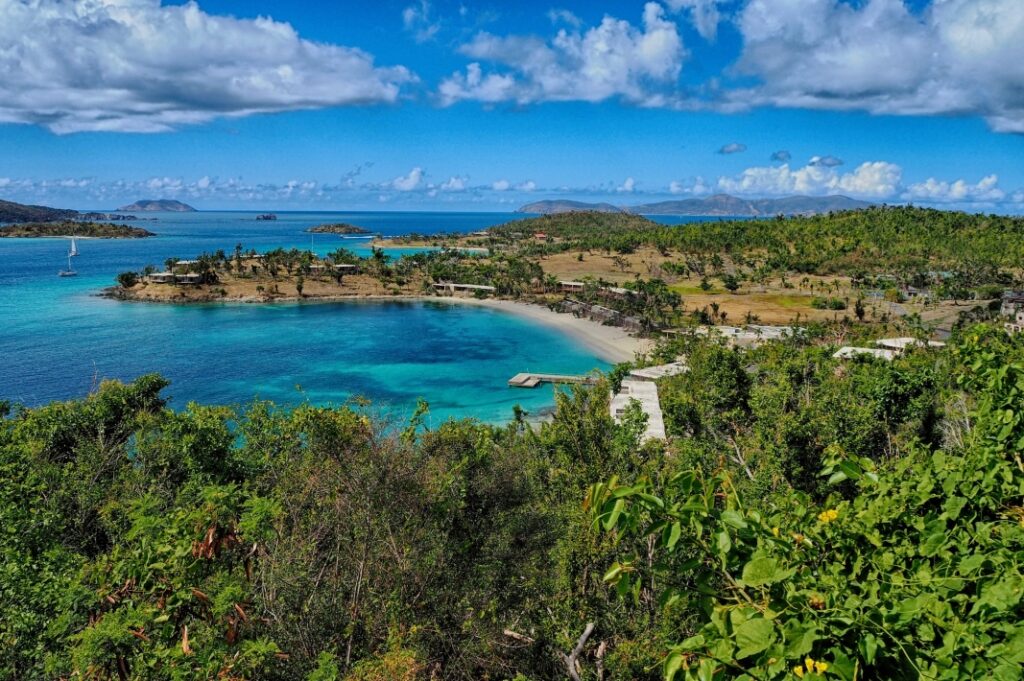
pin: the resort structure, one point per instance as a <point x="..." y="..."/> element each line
<point x="646" y="393"/>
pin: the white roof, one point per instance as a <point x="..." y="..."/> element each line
<point x="646" y="393"/>
<point x="848" y="352"/>
<point x="906" y="342"/>
<point x="186" y="262"/>
<point x="660" y="371"/>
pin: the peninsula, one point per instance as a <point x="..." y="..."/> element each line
<point x="18" y="212"/>
<point x="68" y="228"/>
<point x="157" y="205"/>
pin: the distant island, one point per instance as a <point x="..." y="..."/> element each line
<point x="717" y="205"/>
<point x="67" y="228"/>
<point x="18" y="212"/>
<point x="109" y="217"/>
<point x="339" y="228"/>
<point x="158" y="205"/>
<point x="266" y="216"/>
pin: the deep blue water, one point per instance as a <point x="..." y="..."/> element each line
<point x="58" y="339"/>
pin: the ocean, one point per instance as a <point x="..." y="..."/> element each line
<point x="58" y="339"/>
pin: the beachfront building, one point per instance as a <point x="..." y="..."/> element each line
<point x="646" y="393"/>
<point x="571" y="286"/>
<point x="615" y="292"/>
<point x="450" y="288"/>
<point x="161" y="278"/>
<point x="599" y="313"/>
<point x="346" y="268"/>
<point x="750" y="336"/>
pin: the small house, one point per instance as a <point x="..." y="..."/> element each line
<point x="191" y="279"/>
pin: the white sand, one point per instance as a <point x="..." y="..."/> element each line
<point x="610" y="343"/>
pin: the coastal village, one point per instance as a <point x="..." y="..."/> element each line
<point x="646" y="296"/>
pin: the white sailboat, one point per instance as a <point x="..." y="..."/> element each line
<point x="72" y="252"/>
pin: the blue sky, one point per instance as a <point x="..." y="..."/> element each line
<point x="484" y="106"/>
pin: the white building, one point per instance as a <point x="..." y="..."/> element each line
<point x="901" y="344"/>
<point x="660" y="371"/>
<point x="646" y="393"/>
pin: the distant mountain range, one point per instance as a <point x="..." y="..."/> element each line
<point x="154" y="205"/>
<point x="717" y="205"/>
<point x="19" y="212"/>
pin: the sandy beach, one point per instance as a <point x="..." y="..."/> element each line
<point x="610" y="343"/>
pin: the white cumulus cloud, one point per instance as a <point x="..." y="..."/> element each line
<point x="959" y="191"/>
<point x="697" y="187"/>
<point x="961" y="57"/>
<point x="613" y="59"/>
<point x="873" y="179"/>
<point x="501" y="185"/>
<point x="455" y="184"/>
<point x="628" y="186"/>
<point x="409" y="182"/>
<point x="139" y="66"/>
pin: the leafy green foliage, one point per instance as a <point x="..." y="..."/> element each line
<point x="916" y="574"/>
<point x="808" y="518"/>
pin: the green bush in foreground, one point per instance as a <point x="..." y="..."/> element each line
<point x="914" y="572"/>
<point x="140" y="542"/>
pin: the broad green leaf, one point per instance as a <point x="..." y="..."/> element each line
<point x="734" y="519"/>
<point x="754" y="636"/>
<point x="762" y="571"/>
<point x="672" y="665"/>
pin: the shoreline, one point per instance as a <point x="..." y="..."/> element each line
<point x="612" y="344"/>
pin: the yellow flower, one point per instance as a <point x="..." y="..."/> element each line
<point x="809" y="663"/>
<point x="821" y="667"/>
<point x="775" y="530"/>
<point x="828" y="516"/>
<point x="799" y="671"/>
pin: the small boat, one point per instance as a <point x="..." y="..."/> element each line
<point x="72" y="253"/>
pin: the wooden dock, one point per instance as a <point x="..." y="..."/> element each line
<point x="528" y="380"/>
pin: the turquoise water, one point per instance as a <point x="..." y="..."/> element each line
<point x="58" y="339"/>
